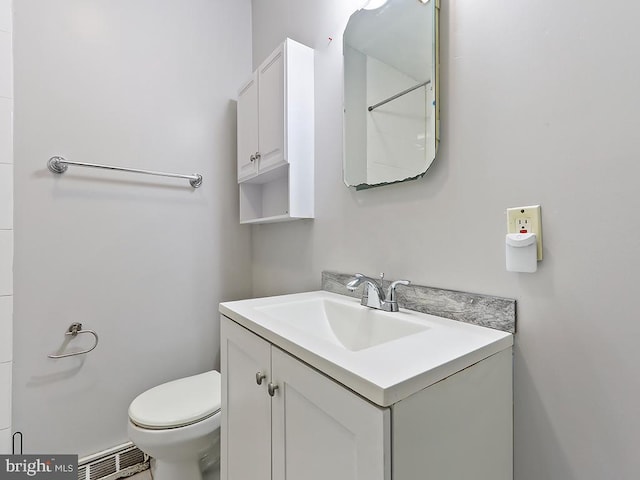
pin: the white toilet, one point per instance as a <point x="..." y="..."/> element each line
<point x="178" y="425"/>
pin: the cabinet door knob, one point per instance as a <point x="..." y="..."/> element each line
<point x="272" y="389"/>
<point x="257" y="156"/>
<point x="252" y="158"/>
<point x="259" y="377"/>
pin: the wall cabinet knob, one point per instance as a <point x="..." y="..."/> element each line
<point x="257" y="156"/>
<point x="259" y="377"/>
<point x="252" y="158"/>
<point x="272" y="389"/>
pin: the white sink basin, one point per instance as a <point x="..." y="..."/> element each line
<point x="383" y="356"/>
<point x="348" y="325"/>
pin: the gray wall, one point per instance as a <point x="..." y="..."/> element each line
<point x="540" y="104"/>
<point x="144" y="261"/>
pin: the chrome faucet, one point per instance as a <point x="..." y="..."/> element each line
<point x="373" y="295"/>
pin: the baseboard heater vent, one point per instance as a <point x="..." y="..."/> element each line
<point x="117" y="462"/>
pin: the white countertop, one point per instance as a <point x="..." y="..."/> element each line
<point x="386" y="373"/>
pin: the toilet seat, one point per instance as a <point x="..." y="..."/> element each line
<point x="177" y="403"/>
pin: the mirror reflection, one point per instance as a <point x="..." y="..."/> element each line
<point x="390" y="92"/>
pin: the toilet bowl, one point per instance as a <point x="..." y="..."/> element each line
<point x="178" y="425"/>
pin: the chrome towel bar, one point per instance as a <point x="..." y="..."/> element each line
<point x="74" y="330"/>
<point x="398" y="95"/>
<point x="60" y="164"/>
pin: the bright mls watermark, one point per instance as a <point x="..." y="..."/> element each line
<point x="50" y="467"/>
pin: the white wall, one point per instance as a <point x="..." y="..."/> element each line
<point x="539" y="105"/>
<point x="6" y="223"/>
<point x="144" y="261"/>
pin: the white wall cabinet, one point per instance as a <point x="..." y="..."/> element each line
<point x="310" y="428"/>
<point x="313" y="428"/>
<point x="276" y="137"/>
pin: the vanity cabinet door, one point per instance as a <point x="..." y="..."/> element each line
<point x="321" y="430"/>
<point x="246" y="405"/>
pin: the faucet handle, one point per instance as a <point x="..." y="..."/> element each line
<point x="355" y="282"/>
<point x="391" y="293"/>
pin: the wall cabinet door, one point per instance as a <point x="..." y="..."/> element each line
<point x="271" y="108"/>
<point x="297" y="424"/>
<point x="248" y="129"/>
<point x="246" y="405"/>
<point x="261" y="119"/>
<point x="323" y="431"/>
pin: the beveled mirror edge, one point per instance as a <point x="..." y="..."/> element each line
<point x="366" y="186"/>
<point x="436" y="76"/>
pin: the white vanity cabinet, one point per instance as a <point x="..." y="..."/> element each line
<point x="276" y="137"/>
<point x="299" y="405"/>
<point x="312" y="428"/>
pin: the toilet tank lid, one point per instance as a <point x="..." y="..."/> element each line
<point x="177" y="403"/>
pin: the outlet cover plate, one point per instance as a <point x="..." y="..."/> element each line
<point x="527" y="219"/>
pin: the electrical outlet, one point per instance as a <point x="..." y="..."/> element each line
<point x="523" y="225"/>
<point x="526" y="220"/>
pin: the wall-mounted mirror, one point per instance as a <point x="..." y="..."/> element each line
<point x="391" y="109"/>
